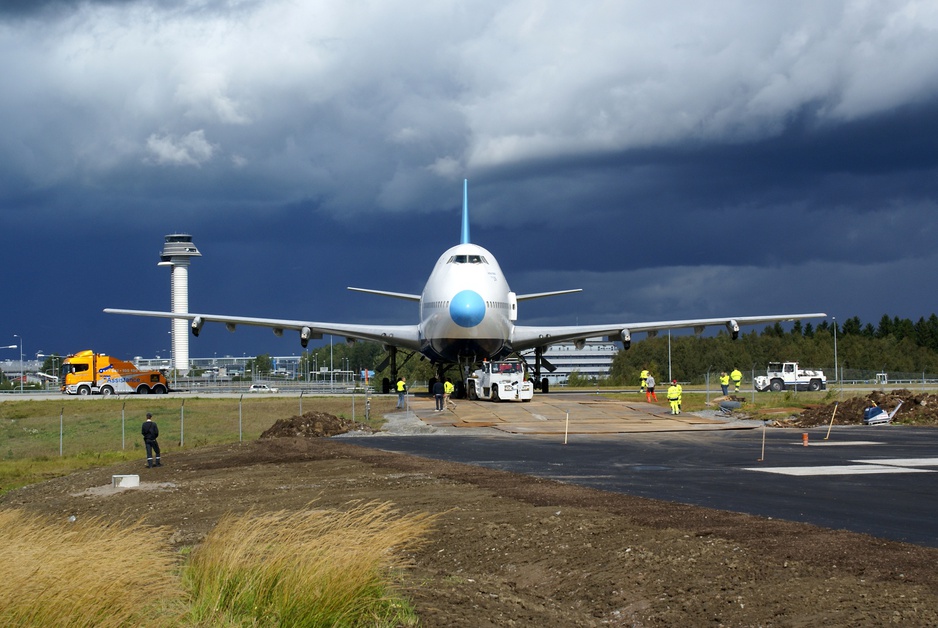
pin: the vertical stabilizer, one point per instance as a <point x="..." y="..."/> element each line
<point x="464" y="238"/>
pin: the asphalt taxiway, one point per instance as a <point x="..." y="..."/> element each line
<point x="876" y="480"/>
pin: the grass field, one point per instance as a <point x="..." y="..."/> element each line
<point x="41" y="439"/>
<point x="48" y="438"/>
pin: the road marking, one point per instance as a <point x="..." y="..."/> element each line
<point x="828" y="443"/>
<point x="903" y="462"/>
<point x="851" y="469"/>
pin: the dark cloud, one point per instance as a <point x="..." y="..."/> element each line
<point x="673" y="162"/>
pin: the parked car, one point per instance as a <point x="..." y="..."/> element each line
<point x="262" y="388"/>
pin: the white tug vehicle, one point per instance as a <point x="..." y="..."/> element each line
<point x="789" y="376"/>
<point x="500" y="381"/>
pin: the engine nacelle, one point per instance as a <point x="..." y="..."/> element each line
<point x="626" y="336"/>
<point x="733" y="327"/>
<point x="579" y="344"/>
<point x="306" y="334"/>
<point x="197" y="323"/>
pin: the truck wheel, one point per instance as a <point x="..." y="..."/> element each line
<point x="471" y="392"/>
<point x="159" y="389"/>
<point x="143" y="389"/>
<point x="107" y="391"/>
<point x="84" y="391"/>
<point x="495" y="396"/>
<point x="815" y="384"/>
<point x="777" y="385"/>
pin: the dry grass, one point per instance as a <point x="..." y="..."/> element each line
<point x="85" y="573"/>
<point x="309" y="568"/>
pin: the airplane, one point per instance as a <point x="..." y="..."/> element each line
<point x="467" y="314"/>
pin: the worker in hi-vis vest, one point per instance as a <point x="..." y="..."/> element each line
<point x="675" y="391"/>
<point x="644" y="379"/>
<point x="725" y="383"/>
<point x="737" y="378"/>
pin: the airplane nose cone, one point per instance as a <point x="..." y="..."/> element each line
<point x="467" y="309"/>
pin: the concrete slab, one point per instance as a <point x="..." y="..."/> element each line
<point x="560" y="413"/>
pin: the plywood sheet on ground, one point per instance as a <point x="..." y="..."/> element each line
<point x="550" y="414"/>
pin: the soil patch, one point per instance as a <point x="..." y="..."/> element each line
<point x="314" y="425"/>
<point x="918" y="408"/>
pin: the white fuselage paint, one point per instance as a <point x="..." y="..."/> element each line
<point x="465" y="307"/>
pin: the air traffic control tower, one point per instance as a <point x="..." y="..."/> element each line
<point x="177" y="250"/>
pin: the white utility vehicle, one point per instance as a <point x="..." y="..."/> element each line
<point x="500" y="381"/>
<point x="789" y="376"/>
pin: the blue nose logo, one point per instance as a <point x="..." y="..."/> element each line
<point x="467" y="309"/>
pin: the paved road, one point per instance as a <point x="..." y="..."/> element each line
<point x="877" y="480"/>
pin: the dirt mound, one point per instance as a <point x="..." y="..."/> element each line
<point x="917" y="409"/>
<point x="314" y="425"/>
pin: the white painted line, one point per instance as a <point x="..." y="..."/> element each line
<point x="852" y="469"/>
<point x="903" y="462"/>
<point x="839" y="443"/>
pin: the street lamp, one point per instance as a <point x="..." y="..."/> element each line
<point x="22" y="368"/>
<point x="835" y="351"/>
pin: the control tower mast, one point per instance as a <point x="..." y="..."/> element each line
<point x="177" y="251"/>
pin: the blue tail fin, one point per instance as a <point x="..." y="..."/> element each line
<point x="464" y="238"/>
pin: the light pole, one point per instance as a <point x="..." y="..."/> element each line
<point x="22" y="368"/>
<point x="835" y="351"/>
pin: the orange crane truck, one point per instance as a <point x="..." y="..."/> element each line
<point x="90" y="373"/>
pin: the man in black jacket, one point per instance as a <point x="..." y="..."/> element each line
<point x="150" y="433"/>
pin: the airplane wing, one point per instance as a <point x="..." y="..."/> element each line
<point x="404" y="336"/>
<point x="530" y="337"/>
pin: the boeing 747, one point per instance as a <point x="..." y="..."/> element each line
<point x="468" y="314"/>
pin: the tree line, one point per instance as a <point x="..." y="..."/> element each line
<point x="897" y="345"/>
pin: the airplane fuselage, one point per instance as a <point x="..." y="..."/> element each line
<point x="466" y="307"/>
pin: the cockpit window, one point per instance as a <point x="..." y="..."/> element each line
<point x="467" y="259"/>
